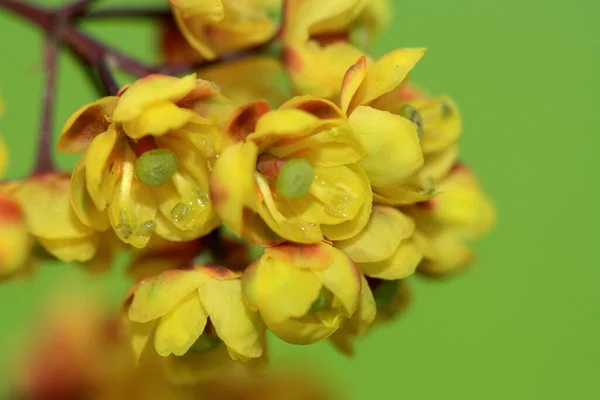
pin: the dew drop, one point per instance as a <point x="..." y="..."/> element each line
<point x="205" y="343"/>
<point x="146" y="228"/>
<point x="124" y="230"/>
<point x="179" y="212"/>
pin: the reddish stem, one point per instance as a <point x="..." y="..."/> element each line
<point x="45" y="163"/>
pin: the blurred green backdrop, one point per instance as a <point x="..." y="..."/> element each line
<point x="524" y="323"/>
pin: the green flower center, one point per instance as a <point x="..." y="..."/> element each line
<point x="295" y="178"/>
<point x="205" y="343"/>
<point x="323" y="301"/>
<point x="156" y="167"/>
<point x="385" y="292"/>
<point x="410" y="113"/>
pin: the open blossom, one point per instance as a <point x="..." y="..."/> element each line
<point x="196" y="310"/>
<point x="304" y="293"/>
<point x="461" y="212"/>
<point x="292" y="175"/>
<point x="148" y="154"/>
<point x="213" y="27"/>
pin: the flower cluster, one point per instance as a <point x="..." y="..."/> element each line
<point x="251" y="205"/>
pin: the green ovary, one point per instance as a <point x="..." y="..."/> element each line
<point x="156" y="167"/>
<point x="295" y="178"/>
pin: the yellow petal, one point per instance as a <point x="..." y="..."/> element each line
<point x="381" y="237"/>
<point x="340" y="189"/>
<point x="279" y="289"/>
<point x="132" y="210"/>
<point x="140" y="335"/>
<point x="350" y="228"/>
<point x="185" y="203"/>
<point x="290" y="228"/>
<point x="149" y="91"/>
<point x="400" y="265"/>
<point x="386" y="74"/>
<point x="192" y="30"/>
<point x="236" y="325"/>
<point x="332" y="146"/>
<point x="436" y="167"/>
<point x="319" y="71"/>
<point x="393" y="150"/>
<point x="302" y="15"/>
<point x="399" y="195"/>
<point x="316" y="257"/>
<point x="352" y="80"/>
<point x="157" y="119"/>
<point x="243" y="121"/>
<point x="209" y="9"/>
<point x="343" y="279"/>
<point x="320" y="108"/>
<point x="46" y="203"/>
<point x="283" y="125"/>
<point x="14" y="237"/>
<point x="231" y="184"/>
<point x="85" y="124"/>
<point x="361" y="320"/>
<point x="167" y="230"/>
<point x="82" y="204"/>
<point x="461" y="207"/>
<point x="232" y="77"/>
<point x="442" y="124"/>
<point x="67" y="250"/>
<point x="100" y="168"/>
<point x="306" y="330"/>
<point x="156" y="296"/>
<point x="181" y="327"/>
<point x="444" y="254"/>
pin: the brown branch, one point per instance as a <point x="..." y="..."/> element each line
<point x="45" y="162"/>
<point x="129" y="12"/>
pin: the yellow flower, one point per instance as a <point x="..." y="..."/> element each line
<point x="14" y="237"/>
<point x="50" y="219"/>
<point x="461" y="212"/>
<point x="148" y="154"/>
<point x="268" y="80"/>
<point x="316" y="49"/>
<point x="214" y="27"/>
<point x="198" y="310"/>
<point x="303" y="292"/>
<point x="294" y="174"/>
<point x="385" y="248"/>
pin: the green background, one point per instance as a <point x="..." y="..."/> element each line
<point x="524" y="323"/>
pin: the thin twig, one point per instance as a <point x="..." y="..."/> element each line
<point x="129" y="12"/>
<point x="45" y="163"/>
<point x="107" y="78"/>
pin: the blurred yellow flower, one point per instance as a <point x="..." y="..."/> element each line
<point x="267" y="83"/>
<point x="198" y="309"/>
<point x="14" y="237"/>
<point x="304" y="293"/>
<point x="293" y="175"/>
<point x="50" y="219"/>
<point x="461" y="212"/>
<point x="214" y="27"/>
<point x="148" y="155"/>
<point x="316" y="46"/>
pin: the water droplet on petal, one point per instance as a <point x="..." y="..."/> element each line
<point x="179" y="212"/>
<point x="146" y="228"/>
<point x="124" y="231"/>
